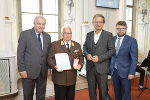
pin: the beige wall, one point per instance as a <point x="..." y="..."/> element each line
<point x="8" y="34"/>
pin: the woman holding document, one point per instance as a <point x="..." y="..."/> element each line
<point x="65" y="57"/>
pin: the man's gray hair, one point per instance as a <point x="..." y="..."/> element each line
<point x="38" y="17"/>
<point x="98" y="15"/>
<point x="66" y="26"/>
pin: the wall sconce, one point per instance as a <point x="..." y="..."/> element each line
<point x="85" y="22"/>
<point x="7" y="18"/>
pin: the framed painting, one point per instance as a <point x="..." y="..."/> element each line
<point x="107" y="3"/>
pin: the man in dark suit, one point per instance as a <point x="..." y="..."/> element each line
<point x="142" y="72"/>
<point x="148" y="58"/>
<point x="32" y="55"/>
<point x="142" y="75"/>
<point x="123" y="64"/>
<point x="65" y="80"/>
<point x="98" y="49"/>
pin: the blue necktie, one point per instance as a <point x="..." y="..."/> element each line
<point x="118" y="45"/>
<point x="39" y="38"/>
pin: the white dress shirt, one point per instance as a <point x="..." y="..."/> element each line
<point x="68" y="43"/>
<point x="121" y="39"/>
<point x="96" y="36"/>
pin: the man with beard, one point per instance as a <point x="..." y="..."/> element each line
<point x="123" y="64"/>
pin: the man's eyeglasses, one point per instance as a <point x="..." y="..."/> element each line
<point x="121" y="29"/>
<point x="66" y="33"/>
<point x="98" y="22"/>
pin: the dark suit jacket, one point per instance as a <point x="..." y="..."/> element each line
<point x="105" y="48"/>
<point x="148" y="54"/>
<point x="30" y="58"/>
<point x="67" y="77"/>
<point x="127" y="57"/>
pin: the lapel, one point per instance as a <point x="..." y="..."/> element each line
<point x="44" y="41"/>
<point x="33" y="34"/>
<point x="63" y="46"/>
<point x="72" y="46"/>
<point x="92" y="37"/>
<point x="115" y="37"/>
<point x="35" y="40"/>
<point x="125" y="40"/>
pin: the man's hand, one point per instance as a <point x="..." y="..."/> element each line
<point x="23" y="74"/>
<point x="130" y="77"/>
<point x="89" y="57"/>
<point x="57" y="69"/>
<point x="95" y="59"/>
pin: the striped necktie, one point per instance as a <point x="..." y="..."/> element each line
<point x="118" y="46"/>
<point x="117" y="50"/>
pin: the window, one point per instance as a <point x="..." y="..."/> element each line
<point x="129" y="16"/>
<point x="47" y="8"/>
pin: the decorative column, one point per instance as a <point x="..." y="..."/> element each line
<point x="142" y="28"/>
<point x="85" y="29"/>
<point x="69" y="4"/>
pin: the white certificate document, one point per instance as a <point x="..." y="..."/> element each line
<point x="62" y="61"/>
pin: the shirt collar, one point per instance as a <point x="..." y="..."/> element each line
<point x="98" y="33"/>
<point x="68" y="42"/>
<point x="39" y="33"/>
<point x="64" y="43"/>
<point x="120" y="37"/>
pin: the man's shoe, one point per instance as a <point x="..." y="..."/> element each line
<point x="141" y="87"/>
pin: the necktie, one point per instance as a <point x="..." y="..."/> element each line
<point x="68" y="47"/>
<point x="118" y="45"/>
<point x="117" y="49"/>
<point x="39" y="38"/>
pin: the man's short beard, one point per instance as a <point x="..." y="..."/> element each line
<point x="121" y="35"/>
